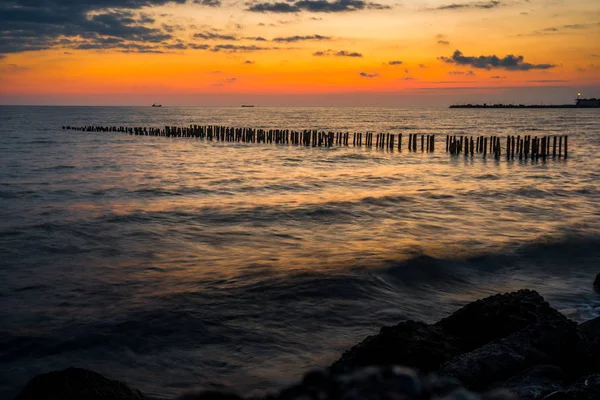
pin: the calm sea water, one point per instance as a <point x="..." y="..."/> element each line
<point x="175" y="264"/>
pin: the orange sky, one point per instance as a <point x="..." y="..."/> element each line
<point x="109" y="53"/>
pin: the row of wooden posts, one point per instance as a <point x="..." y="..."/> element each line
<point x="515" y="146"/>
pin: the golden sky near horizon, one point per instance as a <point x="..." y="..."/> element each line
<point x="68" y="50"/>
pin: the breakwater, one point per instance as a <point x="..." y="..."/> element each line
<point x="511" y="146"/>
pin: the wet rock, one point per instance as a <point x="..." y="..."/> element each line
<point x="587" y="388"/>
<point x="536" y="382"/>
<point x="496" y="317"/>
<point x="548" y="342"/>
<point x="76" y="384"/>
<point x="426" y="347"/>
<point x="384" y="382"/>
<point x="587" y="358"/>
<point x="414" y="344"/>
<point x="211" y="395"/>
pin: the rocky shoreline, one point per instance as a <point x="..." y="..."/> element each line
<point x="507" y="346"/>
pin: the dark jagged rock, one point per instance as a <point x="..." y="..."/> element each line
<point x="597" y="283"/>
<point x="496" y="317"/>
<point x="536" y="382"/>
<point x="76" y="384"/>
<point x="211" y="395"/>
<point x="587" y="358"/>
<point x="587" y="388"/>
<point x="549" y="342"/>
<point x="426" y="347"/>
<point x="386" y="382"/>
<point x="414" y="344"/>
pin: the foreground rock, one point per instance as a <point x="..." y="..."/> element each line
<point x="587" y="388"/>
<point x="76" y="384"/>
<point x="427" y="347"/>
<point x="513" y="341"/>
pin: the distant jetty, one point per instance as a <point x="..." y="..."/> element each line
<point x="579" y="103"/>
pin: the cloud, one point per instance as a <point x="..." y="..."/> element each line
<point x="291" y="39"/>
<point x="557" y="30"/>
<point x="225" y="81"/>
<point x="316" y="6"/>
<point x="340" y="53"/>
<point x="510" y="62"/>
<point x="444" y="42"/>
<point x="209" y="3"/>
<point x="235" y="48"/>
<point x="198" y="46"/>
<point x="408" y="78"/>
<point x="498" y="77"/>
<point x="480" y="5"/>
<point x="467" y="73"/>
<point x="395" y="62"/>
<point x="248" y="62"/>
<point x="367" y="75"/>
<point x="30" y="25"/>
<point x="214" y="36"/>
<point x="423" y="66"/>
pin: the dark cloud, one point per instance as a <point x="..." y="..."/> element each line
<point x="235" y="48"/>
<point x="209" y="3"/>
<point x="467" y="73"/>
<point x="316" y="6"/>
<point x="395" y="62"/>
<point x="510" y="62"/>
<point x="498" y="77"/>
<point x="479" y="4"/>
<point x="214" y="36"/>
<point x="422" y="66"/>
<point x="291" y="39"/>
<point x="340" y="53"/>
<point x="198" y="46"/>
<point x="367" y="75"/>
<point x="248" y="62"/>
<point x="27" y="25"/>
<point x="444" y="42"/>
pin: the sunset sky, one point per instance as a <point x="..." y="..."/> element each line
<point x="297" y="52"/>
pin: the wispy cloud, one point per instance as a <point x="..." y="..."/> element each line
<point x="479" y="4"/>
<point x="214" y="36"/>
<point x="368" y="75"/>
<point x="316" y="6"/>
<point x="236" y="48"/>
<point x="340" y="53"/>
<point x="395" y="62"/>
<point x="291" y="39"/>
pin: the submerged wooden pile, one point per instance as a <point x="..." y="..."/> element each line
<point x="512" y="146"/>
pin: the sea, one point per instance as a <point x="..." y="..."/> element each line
<point x="177" y="264"/>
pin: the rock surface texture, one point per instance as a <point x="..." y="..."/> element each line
<point x="505" y="347"/>
<point x="76" y="384"/>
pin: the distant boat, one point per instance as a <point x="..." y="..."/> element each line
<point x="156" y="105"/>
<point x="247" y="105"/>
